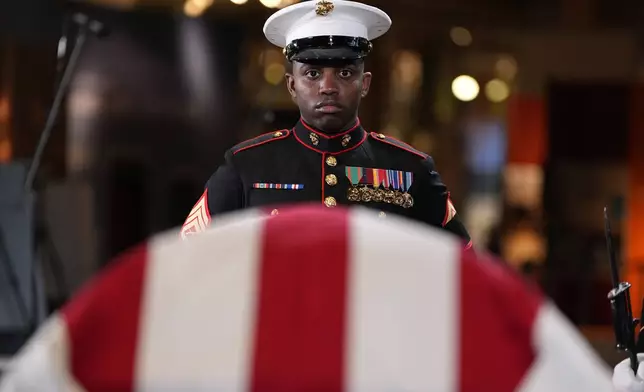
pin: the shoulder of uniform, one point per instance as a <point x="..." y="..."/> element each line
<point x="397" y="143"/>
<point x="260" y="140"/>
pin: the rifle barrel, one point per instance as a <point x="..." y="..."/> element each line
<point x="611" y="249"/>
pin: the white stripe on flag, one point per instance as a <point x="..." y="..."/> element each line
<point x="403" y="307"/>
<point x="43" y="363"/>
<point x="197" y="324"/>
<point x="565" y="361"/>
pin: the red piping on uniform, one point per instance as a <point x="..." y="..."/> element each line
<point x="364" y="137"/>
<point x="286" y="133"/>
<point x="205" y="196"/>
<point x="306" y="145"/>
<point x="405" y="146"/>
<point x="468" y="245"/>
<point x="307" y="126"/>
<point x="323" y="162"/>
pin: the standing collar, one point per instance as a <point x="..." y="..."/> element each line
<point x="333" y="144"/>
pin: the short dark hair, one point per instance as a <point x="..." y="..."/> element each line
<point x="288" y="66"/>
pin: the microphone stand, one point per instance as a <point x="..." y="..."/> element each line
<point x="86" y="26"/>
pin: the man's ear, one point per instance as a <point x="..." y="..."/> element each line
<point x="366" y="83"/>
<point x="290" y="85"/>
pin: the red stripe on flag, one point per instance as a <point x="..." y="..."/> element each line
<point x="498" y="311"/>
<point x="103" y="323"/>
<point x="299" y="342"/>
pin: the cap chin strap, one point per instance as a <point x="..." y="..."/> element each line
<point x="360" y="46"/>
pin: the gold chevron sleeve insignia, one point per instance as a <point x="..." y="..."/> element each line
<point x="198" y="219"/>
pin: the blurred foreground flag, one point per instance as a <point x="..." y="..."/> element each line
<point x="312" y="299"/>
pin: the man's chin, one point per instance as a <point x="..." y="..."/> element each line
<point x="330" y="123"/>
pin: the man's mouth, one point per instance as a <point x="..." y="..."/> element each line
<point x="328" y="107"/>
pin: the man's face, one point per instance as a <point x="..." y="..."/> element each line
<point x="328" y="95"/>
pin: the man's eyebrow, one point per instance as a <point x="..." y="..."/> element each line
<point x="306" y="66"/>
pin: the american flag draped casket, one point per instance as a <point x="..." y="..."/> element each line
<point x="311" y="299"/>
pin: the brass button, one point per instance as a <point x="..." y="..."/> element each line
<point x="381" y="136"/>
<point x="275" y="212"/>
<point x="382" y="214"/>
<point x="331" y="179"/>
<point x="278" y="134"/>
<point x="331" y="161"/>
<point x="330" y="201"/>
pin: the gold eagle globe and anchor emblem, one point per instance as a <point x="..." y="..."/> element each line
<point x="323" y="7"/>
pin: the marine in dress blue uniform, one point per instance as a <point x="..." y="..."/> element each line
<point x="331" y="158"/>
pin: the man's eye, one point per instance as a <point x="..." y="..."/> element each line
<point x="312" y="73"/>
<point x="345" y="73"/>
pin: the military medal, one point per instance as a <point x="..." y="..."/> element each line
<point x="408" y="200"/>
<point x="379" y="177"/>
<point x="366" y="194"/>
<point x="389" y="196"/>
<point x="378" y="195"/>
<point x="354" y="174"/>
<point x="399" y="199"/>
<point x="380" y="185"/>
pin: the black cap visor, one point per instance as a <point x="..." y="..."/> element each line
<point x="327" y="48"/>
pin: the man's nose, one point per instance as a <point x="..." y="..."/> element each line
<point x="328" y="83"/>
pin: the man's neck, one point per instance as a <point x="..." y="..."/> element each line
<point x="348" y="126"/>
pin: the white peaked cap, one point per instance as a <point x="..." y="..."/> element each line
<point x="309" y="19"/>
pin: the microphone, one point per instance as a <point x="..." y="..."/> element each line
<point x="95" y="26"/>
